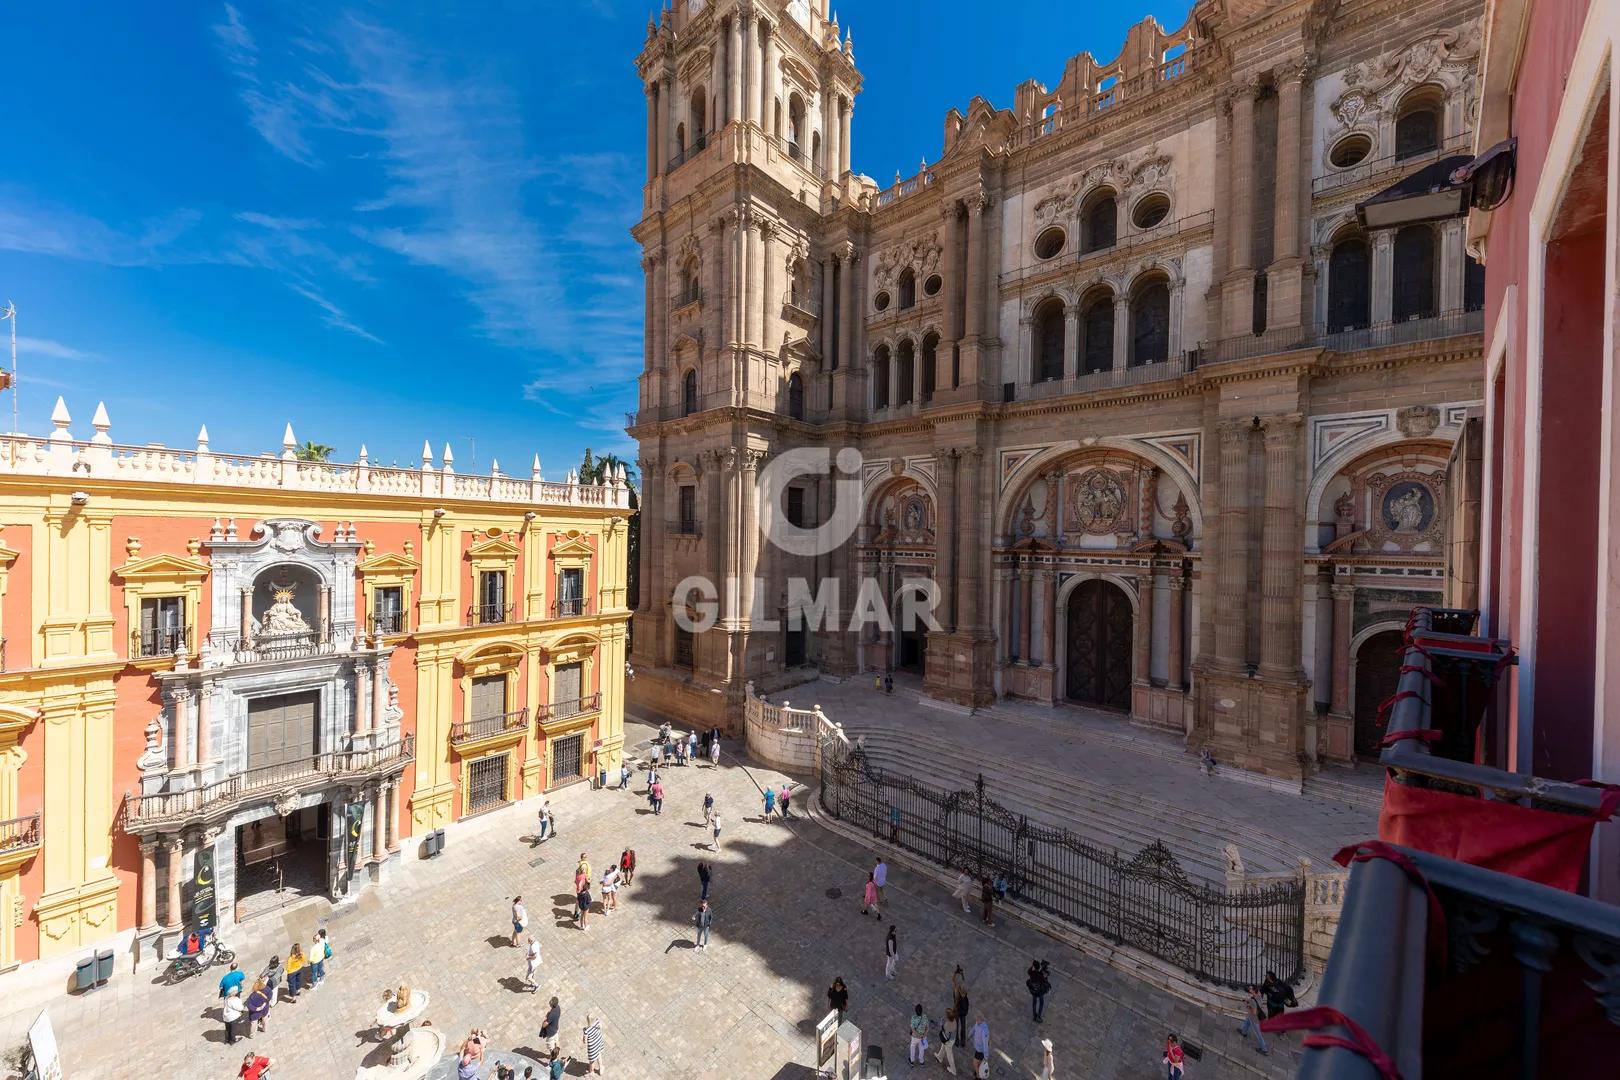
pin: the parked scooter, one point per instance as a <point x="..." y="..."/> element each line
<point x="185" y="965"/>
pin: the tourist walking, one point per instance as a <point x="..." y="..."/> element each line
<point x="627" y="864"/>
<point x="545" y="820"/>
<point x="704" y="919"/>
<point x="533" y="964"/>
<point x="945" y="1053"/>
<point x="520" y="919"/>
<point x="691" y="744"/>
<point x="880" y="877"/>
<point x="959" y="998"/>
<point x="869" y="898"/>
<point x="987" y="902"/>
<point x="770" y="803"/>
<point x="783" y="800"/>
<point x="234" y="1010"/>
<point x="714" y="824"/>
<point x="1278" y="994"/>
<point x="1175" y="1059"/>
<point x="1039" y="983"/>
<point x="704" y="876"/>
<point x="316" y="958"/>
<point x="258" y="1007"/>
<point x="838" y="998"/>
<point x="624" y="774"/>
<point x="582" y="905"/>
<point x="708" y="807"/>
<point x="963" y="889"/>
<point x="551" y="1027"/>
<point x="295" y="971"/>
<point x="593" y="1043"/>
<point x="891" y="953"/>
<point x="657" y="754"/>
<point x="980" y="1037"/>
<point x="919" y="1036"/>
<point x="1254" y="1010"/>
<point x="610" y="890"/>
<point x="254" y="1067"/>
<point x="325" y="943"/>
<point x="652" y="775"/>
<point x="1048" y="1062"/>
<point x="714" y="750"/>
<point x="658" y="797"/>
<point x="231" y="980"/>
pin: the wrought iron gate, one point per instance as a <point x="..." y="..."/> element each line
<point x="1145" y="901"/>
<point x="566" y="754"/>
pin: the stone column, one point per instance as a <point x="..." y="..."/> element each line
<point x="845" y="121"/>
<point x="148" y="913"/>
<point x="1242" y="189"/>
<point x="1285" y="212"/>
<point x="1026" y="616"/>
<point x="177" y="851"/>
<point x="717" y="481"/>
<point x="1122" y="332"/>
<point x="362" y="717"/>
<point x="734" y="329"/>
<point x="829" y="298"/>
<point x="205" y="749"/>
<point x="1071" y="341"/>
<point x="1049" y="623"/>
<point x="1281" y="551"/>
<point x="1232" y="563"/>
<point x="1007" y="583"/>
<point x="715" y="286"/>
<point x="1383" y="276"/>
<point x="1319" y="262"/>
<point x="325" y="613"/>
<point x="848" y="316"/>
<point x="181" y="696"/>
<point x="379" y="818"/>
<point x="658" y="326"/>
<point x="245" y="626"/>
<point x="1142" y="661"/>
<point x="769" y="302"/>
<point x="974" y="301"/>
<point x="667" y="133"/>
<point x="968" y="579"/>
<point x="945" y="542"/>
<point x="379" y="694"/>
<point x="1177" y="646"/>
<point x="654" y="161"/>
<point x="1344" y="606"/>
<point x="393" y="814"/>
<point x="767" y="79"/>
<point x="829" y="145"/>
<point x="649" y="314"/>
<point x="950" y="218"/>
<point x="750" y="66"/>
<point x="1453" y="232"/>
<point x="748" y="526"/>
<point x="734" y="74"/>
<point x="755" y="333"/>
<point x="1173" y="348"/>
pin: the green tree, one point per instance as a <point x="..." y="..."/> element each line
<point x="594" y="471"/>
<point x="314" y="451"/>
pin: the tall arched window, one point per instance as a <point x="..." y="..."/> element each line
<point x="1099" y="221"/>
<point x="1150" y="323"/>
<point x="907" y="288"/>
<point x="689" y="395"/>
<point x="795" y="124"/>
<point x="1097" y="332"/>
<point x="1349" y="300"/>
<point x="690" y="288"/>
<point x="680" y="143"/>
<point x="815" y="147"/>
<point x="880" y="378"/>
<point x="1046" y="330"/>
<point x="905" y="372"/>
<point x="1417" y="122"/>
<point x="795" y="396"/>
<point x="930" y="357"/>
<point x="1414" y="288"/>
<point x="698" y="109"/>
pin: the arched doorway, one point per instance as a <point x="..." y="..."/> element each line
<point x="1378" y="669"/>
<point x="1097" y="652"/>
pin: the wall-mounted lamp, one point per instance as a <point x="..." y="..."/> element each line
<point x="529" y="515"/>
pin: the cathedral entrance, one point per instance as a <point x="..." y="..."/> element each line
<point x="1097" y="656"/>
<point x="1378" y="670"/>
<point x="913" y="649"/>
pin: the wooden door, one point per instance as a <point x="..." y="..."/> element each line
<point x="282" y="729"/>
<point x="1097" y="669"/>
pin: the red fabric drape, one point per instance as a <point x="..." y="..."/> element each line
<point x="1538" y="845"/>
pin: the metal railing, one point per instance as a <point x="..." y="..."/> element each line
<point x="487" y="614"/>
<point x="684" y="527"/>
<point x="160" y="641"/>
<point x="801" y="157"/>
<point x="485" y="727"/>
<point x="695" y="148"/>
<point x="569" y="607"/>
<point x="388" y="622"/>
<point x="810" y="305"/>
<point x="220" y="797"/>
<point x="1389" y="165"/>
<point x="1144" y="901"/>
<point x="1110" y="379"/>
<point x="562" y="710"/>
<point x="690" y="296"/>
<point x="1290" y="338"/>
<point x="19" y="832"/>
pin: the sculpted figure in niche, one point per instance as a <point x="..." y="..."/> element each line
<point x="1407" y="511"/>
<point x="1098" y="500"/>
<point x="282" y="617"/>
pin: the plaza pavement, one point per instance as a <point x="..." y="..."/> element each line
<point x="787" y="921"/>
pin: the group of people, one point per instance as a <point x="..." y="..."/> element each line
<point x="992" y="891"/>
<point x="246" y="1008"/>
<point x="677" y="749"/>
<point x="1271" y="998"/>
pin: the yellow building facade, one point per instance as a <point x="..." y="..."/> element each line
<point x="229" y="683"/>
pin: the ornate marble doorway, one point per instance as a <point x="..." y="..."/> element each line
<point x="1097" y="656"/>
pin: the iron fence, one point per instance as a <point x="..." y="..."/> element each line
<point x="1145" y="900"/>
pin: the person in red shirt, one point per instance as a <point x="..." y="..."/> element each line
<point x="253" y="1068"/>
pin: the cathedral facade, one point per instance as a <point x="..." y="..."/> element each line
<point x="1147" y="400"/>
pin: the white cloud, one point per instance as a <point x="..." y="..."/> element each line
<point x="29" y="347"/>
<point x="335" y="316"/>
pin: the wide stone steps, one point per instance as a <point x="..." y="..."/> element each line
<point x="1094" y="812"/>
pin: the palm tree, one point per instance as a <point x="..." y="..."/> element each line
<point x="313" y="451"/>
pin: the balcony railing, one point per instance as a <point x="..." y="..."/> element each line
<point x="487" y="727"/>
<point x="1110" y="379"/>
<point x="809" y="305"/>
<point x="388" y="622"/>
<point x="689" y="296"/>
<point x="487" y="614"/>
<point x="570" y="607"/>
<point x="802" y="158"/>
<point x="19" y="833"/>
<point x="262" y="648"/>
<point x="222" y="797"/>
<point x="1388" y="166"/>
<point x="162" y="641"/>
<point x="696" y="148"/>
<point x="1290" y="338"/>
<point x="562" y="710"/>
<point x="684" y="527"/>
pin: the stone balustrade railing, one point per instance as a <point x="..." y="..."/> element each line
<point x="1324" y="899"/>
<point x="99" y="459"/>
<point x="787" y="737"/>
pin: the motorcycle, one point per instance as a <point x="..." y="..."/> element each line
<point x="186" y="965"/>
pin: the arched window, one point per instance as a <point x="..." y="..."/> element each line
<point x="880" y="378"/>
<point x="680" y="143"/>
<point x="795" y="131"/>
<point x="697" y="108"/>
<point x="1097" y="332"/>
<point x="1473" y="284"/>
<point x="1099" y="222"/>
<point x="1046" y="330"/>
<point x="690" y="288"/>
<point x="815" y="147"/>
<point x="1349" y="302"/>
<point x="1150" y="323"/>
<point x="795" y="396"/>
<point x="1417" y="122"/>
<point x="907" y="288"/>
<point x="930" y="356"/>
<point x="689" y="397"/>
<point x="1413" y="287"/>
<point x="905" y="372"/>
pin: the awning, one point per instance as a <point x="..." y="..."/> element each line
<point x="1427" y="195"/>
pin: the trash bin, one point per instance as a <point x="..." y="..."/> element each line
<point x="430" y="845"/>
<point x="104" y="965"/>
<point x="601" y="779"/>
<point x="84" y="974"/>
<point x="438" y="841"/>
<point x="872" y="1067"/>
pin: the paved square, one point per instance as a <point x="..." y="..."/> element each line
<point x="744" y="1008"/>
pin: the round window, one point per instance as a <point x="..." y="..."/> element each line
<point x="1049" y="243"/>
<point x="1350" y="150"/>
<point x="1150" y="211"/>
<point x="932" y="285"/>
<point x="881" y="301"/>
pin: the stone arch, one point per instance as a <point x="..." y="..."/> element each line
<point x="874" y="495"/>
<point x="1061" y="618"/>
<point x="1353" y="457"/>
<point x="1037" y="467"/>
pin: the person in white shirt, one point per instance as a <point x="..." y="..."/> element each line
<point x="534" y="963"/>
<point x="520" y="919"/>
<point x="610" y="889"/>
<point x="234" y="1011"/>
<point x="880" y="877"/>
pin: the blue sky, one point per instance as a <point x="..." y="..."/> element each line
<point x="387" y="223"/>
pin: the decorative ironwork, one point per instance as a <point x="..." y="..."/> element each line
<point x="562" y="710"/>
<point x="485" y="727"/>
<point x="19" y="832"/>
<point x="1145" y="900"/>
<point x="485" y="614"/>
<point x="161" y="641"/>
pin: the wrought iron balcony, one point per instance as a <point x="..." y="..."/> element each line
<point x="696" y="148"/>
<point x="19" y="834"/>
<point x="802" y="302"/>
<point x="563" y="710"/>
<point x="220" y="799"/>
<point x="689" y="296"/>
<point x="159" y="641"/>
<point x="570" y="607"/>
<point x="487" y="614"/>
<point x="488" y="727"/>
<point x="388" y="622"/>
<point x="684" y="527"/>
